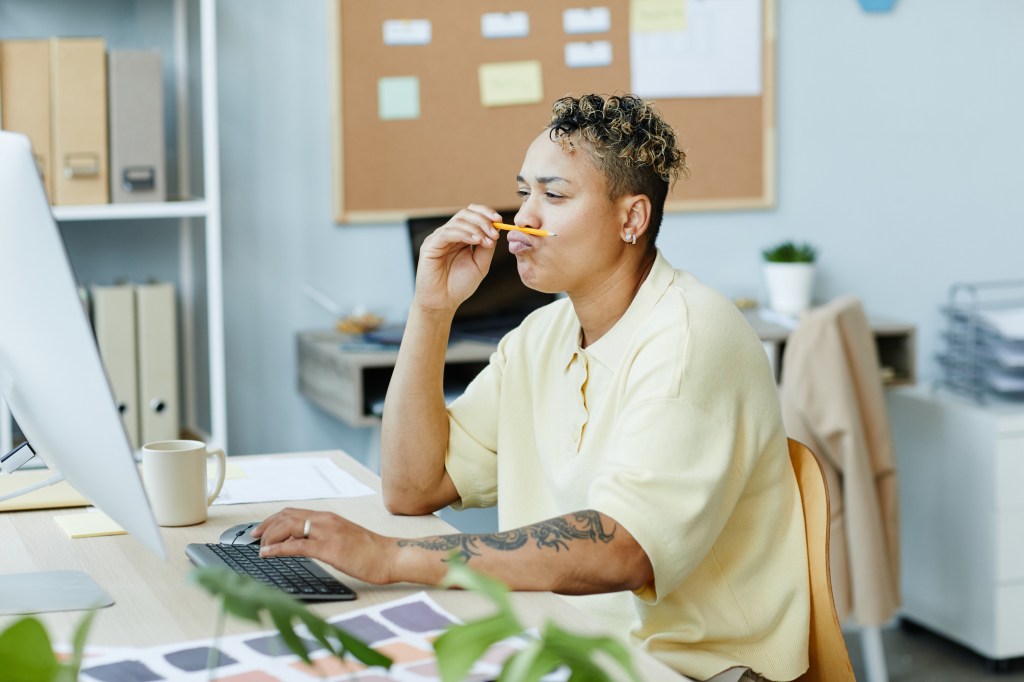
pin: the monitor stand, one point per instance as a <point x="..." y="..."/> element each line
<point x="24" y="593"/>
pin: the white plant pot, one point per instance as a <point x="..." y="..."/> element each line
<point x="789" y="286"/>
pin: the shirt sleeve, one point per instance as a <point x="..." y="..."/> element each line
<point x="472" y="460"/>
<point x="672" y="482"/>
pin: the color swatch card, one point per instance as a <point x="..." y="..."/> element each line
<point x="403" y="629"/>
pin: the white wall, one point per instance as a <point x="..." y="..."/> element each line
<point x="900" y="149"/>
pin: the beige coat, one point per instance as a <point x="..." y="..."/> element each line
<point x="833" y="401"/>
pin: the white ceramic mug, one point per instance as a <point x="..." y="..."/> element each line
<point x="174" y="475"/>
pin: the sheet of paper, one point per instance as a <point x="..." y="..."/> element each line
<point x="1009" y="354"/>
<point x="717" y="54"/>
<point x="1008" y="323"/>
<point x="510" y="83"/>
<point x="51" y="497"/>
<point x="303" y="478"/>
<point x="398" y="98"/>
<point x="587" y="20"/>
<point x="88" y="524"/>
<point x="504" y="24"/>
<point x="583" y="55"/>
<point x="407" y="32"/>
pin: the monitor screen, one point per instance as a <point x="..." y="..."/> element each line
<point x="50" y="369"/>
<point x="501" y="293"/>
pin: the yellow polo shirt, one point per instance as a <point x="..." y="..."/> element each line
<point x="670" y="425"/>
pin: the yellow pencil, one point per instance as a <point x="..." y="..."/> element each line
<point x="527" y="230"/>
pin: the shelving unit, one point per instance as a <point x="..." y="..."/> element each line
<point x="198" y="212"/>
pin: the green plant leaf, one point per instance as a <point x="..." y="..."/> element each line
<point x="73" y="665"/>
<point x="248" y="599"/>
<point x="577" y="652"/>
<point x="324" y="632"/>
<point x="27" y="653"/>
<point x="790" y="252"/>
<point x="530" y="664"/>
<point x="461" y="645"/>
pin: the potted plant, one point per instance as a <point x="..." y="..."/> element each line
<point x="789" y="276"/>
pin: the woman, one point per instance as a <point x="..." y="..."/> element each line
<point x="629" y="433"/>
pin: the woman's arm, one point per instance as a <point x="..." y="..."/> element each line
<point x="414" y="430"/>
<point x="584" y="552"/>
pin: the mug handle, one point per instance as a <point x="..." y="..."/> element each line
<point x="214" y="490"/>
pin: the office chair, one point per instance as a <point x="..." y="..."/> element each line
<point x="829" y="660"/>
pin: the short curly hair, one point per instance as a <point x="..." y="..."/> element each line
<point x="630" y="143"/>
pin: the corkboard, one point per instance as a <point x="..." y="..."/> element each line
<point x="458" y="151"/>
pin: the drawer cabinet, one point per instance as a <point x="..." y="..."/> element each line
<point x="961" y="470"/>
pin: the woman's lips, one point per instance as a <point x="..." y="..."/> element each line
<point x="518" y="243"/>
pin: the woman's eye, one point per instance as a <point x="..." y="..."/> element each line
<point x="552" y="195"/>
<point x="523" y="193"/>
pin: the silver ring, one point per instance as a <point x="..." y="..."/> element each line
<point x="306" y="528"/>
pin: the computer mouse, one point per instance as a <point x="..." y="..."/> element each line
<point x="240" y="534"/>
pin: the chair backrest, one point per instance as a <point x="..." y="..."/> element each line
<point x="829" y="660"/>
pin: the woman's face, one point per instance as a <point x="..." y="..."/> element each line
<point x="563" y="191"/>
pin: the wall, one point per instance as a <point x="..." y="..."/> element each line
<point x="899" y="155"/>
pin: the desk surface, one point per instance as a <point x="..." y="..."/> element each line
<point x="155" y="604"/>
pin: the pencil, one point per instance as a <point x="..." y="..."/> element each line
<point x="527" y="230"/>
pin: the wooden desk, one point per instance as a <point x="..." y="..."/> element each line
<point x="155" y="604"/>
<point x="350" y="382"/>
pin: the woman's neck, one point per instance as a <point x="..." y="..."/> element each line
<point x="601" y="307"/>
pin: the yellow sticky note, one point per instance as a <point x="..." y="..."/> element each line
<point x="88" y="525"/>
<point x="657" y="16"/>
<point x="233" y="470"/>
<point x="505" y="84"/>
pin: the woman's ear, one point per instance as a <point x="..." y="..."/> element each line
<point x="637" y="215"/>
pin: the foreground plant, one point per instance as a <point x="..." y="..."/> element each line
<point x="245" y="598"/>
<point x="26" y="652"/>
<point x="461" y="645"/>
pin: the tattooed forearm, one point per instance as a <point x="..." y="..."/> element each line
<point x="462" y="545"/>
<point x="557" y="532"/>
<point x="554" y="533"/>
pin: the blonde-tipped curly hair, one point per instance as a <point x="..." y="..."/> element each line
<point x="629" y="141"/>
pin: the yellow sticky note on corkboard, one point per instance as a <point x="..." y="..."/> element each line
<point x="657" y="16"/>
<point x="505" y="84"/>
<point x="88" y="525"/>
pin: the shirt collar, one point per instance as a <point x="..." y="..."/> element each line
<point x="609" y="348"/>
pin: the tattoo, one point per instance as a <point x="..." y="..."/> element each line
<point x="554" y="533"/>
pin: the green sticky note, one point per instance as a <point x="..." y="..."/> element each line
<point x="505" y="84"/>
<point x="398" y="98"/>
<point x="657" y="16"/>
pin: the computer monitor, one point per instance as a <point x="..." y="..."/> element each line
<point x="50" y="369"/>
<point x="501" y="301"/>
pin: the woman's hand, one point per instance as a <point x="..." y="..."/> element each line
<point x="348" y="547"/>
<point x="455" y="258"/>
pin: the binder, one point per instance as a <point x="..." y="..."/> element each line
<point x="157" y="341"/>
<point x="135" y="89"/>
<point x="25" y="98"/>
<point x="78" y="78"/>
<point x="113" y="320"/>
